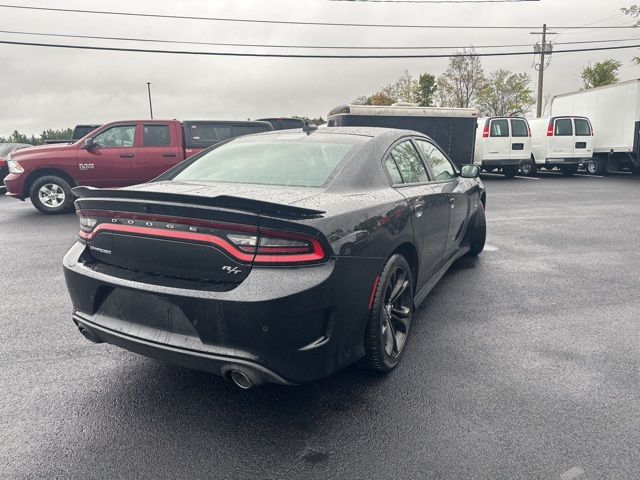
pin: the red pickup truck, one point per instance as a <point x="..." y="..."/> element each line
<point x="115" y="155"/>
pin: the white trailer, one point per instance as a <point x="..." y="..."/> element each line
<point x="614" y="112"/>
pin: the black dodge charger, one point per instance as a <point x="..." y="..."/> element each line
<point x="277" y="257"/>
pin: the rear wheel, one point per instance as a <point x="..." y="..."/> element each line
<point x="51" y="195"/>
<point x="569" y="170"/>
<point x="529" y="169"/>
<point x="597" y="166"/>
<point x="390" y="316"/>
<point x="510" y="171"/>
<point x="478" y="233"/>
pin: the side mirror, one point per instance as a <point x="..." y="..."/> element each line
<point x="470" y="171"/>
<point x="88" y="143"/>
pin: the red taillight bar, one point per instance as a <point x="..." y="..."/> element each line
<point x="265" y="255"/>
<point x="485" y="132"/>
<point x="550" y="129"/>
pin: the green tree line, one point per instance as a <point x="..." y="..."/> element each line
<point x="49" y="134"/>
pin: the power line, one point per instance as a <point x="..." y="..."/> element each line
<point x="290" y="55"/>
<point x="286" y="22"/>
<point x="311" y="47"/>
<point x="435" y="1"/>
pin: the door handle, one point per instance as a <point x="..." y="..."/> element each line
<point x="168" y="154"/>
<point x="452" y="202"/>
<point x="129" y="155"/>
<point x="417" y="208"/>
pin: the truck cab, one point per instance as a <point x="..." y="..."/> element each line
<point x="502" y="143"/>
<point x="115" y="155"/>
<point x="564" y="142"/>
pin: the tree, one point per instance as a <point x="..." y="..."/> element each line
<point x="426" y="90"/>
<point x="363" y="100"/>
<point x="460" y="84"/>
<point x="601" y="73"/>
<point x="380" y="98"/>
<point x="633" y="11"/>
<point x="505" y="93"/>
<point x="403" y="89"/>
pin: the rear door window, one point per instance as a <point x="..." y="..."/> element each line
<point x="582" y="127"/>
<point x="499" y="128"/>
<point x="156" y="136"/>
<point x="411" y="168"/>
<point x="563" y="127"/>
<point x="519" y="128"/>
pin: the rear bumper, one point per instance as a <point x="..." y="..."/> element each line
<point x="286" y="325"/>
<point x="501" y="163"/>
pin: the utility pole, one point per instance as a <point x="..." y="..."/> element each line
<point x="544" y="48"/>
<point x="151" y="106"/>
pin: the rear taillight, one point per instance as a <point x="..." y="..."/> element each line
<point x="243" y="242"/>
<point x="485" y="132"/>
<point x="550" y="129"/>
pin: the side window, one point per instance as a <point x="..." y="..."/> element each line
<point x="392" y="168"/>
<point x="582" y="127"/>
<point x="409" y="163"/>
<point x="519" y="128"/>
<point x="156" y="136"/>
<point x="116" y="137"/>
<point x="563" y="127"/>
<point x="440" y="165"/>
<point x="499" y="128"/>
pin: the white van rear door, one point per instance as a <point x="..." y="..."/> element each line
<point x="499" y="141"/>
<point x="520" y="139"/>
<point x="583" y="147"/>
<point x="561" y="143"/>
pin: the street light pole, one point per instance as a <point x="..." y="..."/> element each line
<point x="150" y="105"/>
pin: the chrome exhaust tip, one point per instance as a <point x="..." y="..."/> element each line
<point x="241" y="379"/>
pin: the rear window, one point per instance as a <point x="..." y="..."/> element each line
<point x="563" y="127"/>
<point x="239" y="130"/>
<point x="289" y="159"/>
<point x="156" y="136"/>
<point x="519" y="128"/>
<point x="582" y="127"/>
<point x="499" y="128"/>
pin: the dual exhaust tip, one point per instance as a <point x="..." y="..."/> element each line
<point x="242" y="377"/>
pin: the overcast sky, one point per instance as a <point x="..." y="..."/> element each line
<point x="55" y="88"/>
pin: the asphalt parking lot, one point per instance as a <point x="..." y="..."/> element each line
<point x="524" y="363"/>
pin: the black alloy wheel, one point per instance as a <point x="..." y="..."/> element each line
<point x="390" y="318"/>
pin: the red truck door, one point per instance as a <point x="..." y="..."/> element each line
<point x="112" y="160"/>
<point x="160" y="150"/>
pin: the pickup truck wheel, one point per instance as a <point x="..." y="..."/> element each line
<point x="51" y="195"/>
<point x="569" y="170"/>
<point x="479" y="232"/>
<point x="510" y="171"/>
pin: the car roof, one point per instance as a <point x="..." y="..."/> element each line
<point x="373" y="132"/>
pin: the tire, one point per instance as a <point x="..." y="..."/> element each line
<point x="51" y="195"/>
<point x="569" y="170"/>
<point x="529" y="169"/>
<point x="510" y="171"/>
<point x="387" y="333"/>
<point x="598" y="166"/>
<point x="478" y="233"/>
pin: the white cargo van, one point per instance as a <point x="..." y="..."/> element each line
<point x="502" y="143"/>
<point x="614" y="111"/>
<point x="564" y="142"/>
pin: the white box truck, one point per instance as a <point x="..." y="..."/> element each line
<point x="614" y="111"/>
<point x="562" y="141"/>
<point x="502" y="143"/>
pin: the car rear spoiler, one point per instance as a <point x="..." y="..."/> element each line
<point x="222" y="201"/>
